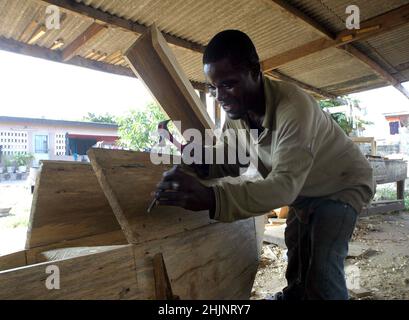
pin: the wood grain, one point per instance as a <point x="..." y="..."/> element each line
<point x="68" y="204"/>
<point x="128" y="178"/>
<point x="153" y="62"/>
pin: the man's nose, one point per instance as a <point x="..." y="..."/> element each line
<point x="220" y="94"/>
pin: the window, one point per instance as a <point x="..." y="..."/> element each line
<point x="41" y="144"/>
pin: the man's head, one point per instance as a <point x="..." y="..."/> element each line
<point x="232" y="70"/>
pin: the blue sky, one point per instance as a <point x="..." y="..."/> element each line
<point x="33" y="87"/>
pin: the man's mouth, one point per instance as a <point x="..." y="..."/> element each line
<point x="229" y="106"/>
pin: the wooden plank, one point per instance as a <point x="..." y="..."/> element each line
<point x="370" y="140"/>
<point x="68" y="204"/>
<point x="153" y="62"/>
<point x="218" y="261"/>
<point x="128" y="178"/>
<point x="163" y="289"/>
<point x="369" y="28"/>
<point x="83" y="10"/>
<point x="387" y="171"/>
<point x="104" y="275"/>
<point x="382" y="208"/>
<point x="35" y="255"/>
<point x="74" y="47"/>
<point x="13" y="260"/>
<point x="295" y="54"/>
<point x="400" y="189"/>
<point x="221" y="267"/>
<point x="28" y="31"/>
<point x="319" y="92"/>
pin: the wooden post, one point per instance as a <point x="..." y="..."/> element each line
<point x="400" y="189"/>
<point x="203" y="98"/>
<point x="217" y="114"/>
<point x="163" y="289"/>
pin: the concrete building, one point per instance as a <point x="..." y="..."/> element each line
<point x="53" y="139"/>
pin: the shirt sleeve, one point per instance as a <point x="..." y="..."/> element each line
<point x="223" y="161"/>
<point x="292" y="160"/>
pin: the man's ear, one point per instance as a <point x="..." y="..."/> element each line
<point x="255" y="71"/>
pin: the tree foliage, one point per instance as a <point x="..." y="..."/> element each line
<point x="137" y="127"/>
<point x="345" y="122"/>
<point x="102" y="118"/>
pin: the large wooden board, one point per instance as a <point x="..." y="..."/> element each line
<point x="217" y="261"/>
<point x="128" y="178"/>
<point x="68" y="204"/>
<point x="155" y="65"/>
<point x="387" y="171"/>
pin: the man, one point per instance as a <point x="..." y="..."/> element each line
<point x="306" y="160"/>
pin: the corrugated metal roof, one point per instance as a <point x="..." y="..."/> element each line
<point x="326" y="68"/>
<point x="200" y="20"/>
<point x="331" y="13"/>
<point x="392" y="46"/>
<point x="272" y="31"/>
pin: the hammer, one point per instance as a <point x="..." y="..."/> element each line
<point x="164" y="126"/>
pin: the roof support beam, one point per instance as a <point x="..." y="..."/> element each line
<point x="115" y="21"/>
<point x="386" y="22"/>
<point x="283" y="4"/>
<point x="315" y="91"/>
<point x="74" y="47"/>
<point x="14" y="46"/>
<point x="376" y="67"/>
<point x="369" y="28"/>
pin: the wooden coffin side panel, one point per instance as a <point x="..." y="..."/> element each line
<point x="36" y="254"/>
<point x="217" y="261"/>
<point x="128" y="178"/>
<point x="68" y="204"/>
<point x="104" y="275"/>
<point x="163" y="77"/>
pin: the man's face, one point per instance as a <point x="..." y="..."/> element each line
<point x="233" y="87"/>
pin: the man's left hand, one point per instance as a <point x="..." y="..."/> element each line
<point x="180" y="189"/>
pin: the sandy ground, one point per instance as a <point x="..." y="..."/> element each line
<point x="13" y="226"/>
<point x="378" y="263"/>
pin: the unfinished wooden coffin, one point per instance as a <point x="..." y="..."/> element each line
<point x="112" y="258"/>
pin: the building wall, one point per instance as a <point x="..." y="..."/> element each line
<point x="25" y="133"/>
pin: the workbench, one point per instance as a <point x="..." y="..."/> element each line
<point x="388" y="171"/>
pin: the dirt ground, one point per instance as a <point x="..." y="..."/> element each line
<point x="378" y="263"/>
<point x="377" y="267"/>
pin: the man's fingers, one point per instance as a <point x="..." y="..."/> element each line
<point x="171" y="198"/>
<point x="164" y="195"/>
<point x="168" y="185"/>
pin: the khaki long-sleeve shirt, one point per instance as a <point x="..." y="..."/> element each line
<point x="302" y="153"/>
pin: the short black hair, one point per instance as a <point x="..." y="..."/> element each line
<point x="234" y="45"/>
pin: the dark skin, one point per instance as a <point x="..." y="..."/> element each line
<point x="239" y="91"/>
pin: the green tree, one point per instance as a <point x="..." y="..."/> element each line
<point x="137" y="127"/>
<point x="103" y="118"/>
<point x="345" y="122"/>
